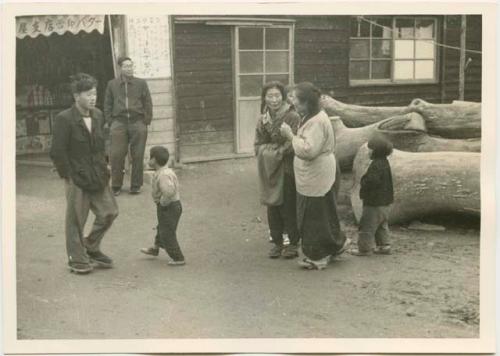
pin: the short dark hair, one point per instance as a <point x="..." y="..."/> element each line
<point x="81" y="82"/>
<point x="380" y="146"/>
<point x="123" y="59"/>
<point x="307" y="93"/>
<point x="265" y="88"/>
<point x="160" y="154"/>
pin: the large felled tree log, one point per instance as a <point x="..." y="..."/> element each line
<point x="348" y="141"/>
<point x="461" y="119"/>
<point x="456" y="120"/>
<point x="357" y="115"/>
<point x="426" y="183"/>
<point x="406" y="132"/>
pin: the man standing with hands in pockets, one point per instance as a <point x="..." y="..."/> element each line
<point x="128" y="110"/>
<point x="78" y="155"/>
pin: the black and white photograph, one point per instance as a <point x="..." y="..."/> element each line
<point x="304" y="175"/>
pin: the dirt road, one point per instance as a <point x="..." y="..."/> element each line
<point x="429" y="287"/>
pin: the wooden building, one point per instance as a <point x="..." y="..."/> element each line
<point x="221" y="63"/>
<point x="205" y="73"/>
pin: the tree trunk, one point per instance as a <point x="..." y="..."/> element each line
<point x="461" y="119"/>
<point x="456" y="120"/>
<point x="406" y="132"/>
<point x="348" y="141"/>
<point x="426" y="183"/>
<point x="357" y="115"/>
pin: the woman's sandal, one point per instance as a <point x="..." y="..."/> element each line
<point x="309" y="264"/>
<point x="344" y="247"/>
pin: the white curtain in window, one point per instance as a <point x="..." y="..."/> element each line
<point x="403" y="70"/>
<point x="424" y="50"/>
<point x="403" y="49"/>
<point x="424" y="69"/>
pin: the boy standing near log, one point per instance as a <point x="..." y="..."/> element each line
<point x="377" y="194"/>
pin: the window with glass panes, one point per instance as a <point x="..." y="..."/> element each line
<point x="392" y="50"/>
<point x="263" y="56"/>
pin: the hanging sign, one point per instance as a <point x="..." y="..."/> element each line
<point x="34" y="26"/>
<point x="149" y="45"/>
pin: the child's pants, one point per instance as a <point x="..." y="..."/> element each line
<point x="166" y="235"/>
<point x="373" y="227"/>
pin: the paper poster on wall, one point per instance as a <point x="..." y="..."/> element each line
<point x="149" y="45"/>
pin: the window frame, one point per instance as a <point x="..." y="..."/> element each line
<point x="391" y="81"/>
<point x="237" y="70"/>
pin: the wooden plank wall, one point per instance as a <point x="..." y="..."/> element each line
<point x="473" y="71"/>
<point x="322" y="57"/>
<point x="204" y="89"/>
<point x="321" y="52"/>
<point x="161" y="131"/>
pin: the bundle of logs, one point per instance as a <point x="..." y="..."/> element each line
<point x="436" y="159"/>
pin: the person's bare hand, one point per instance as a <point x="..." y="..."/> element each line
<point x="286" y="131"/>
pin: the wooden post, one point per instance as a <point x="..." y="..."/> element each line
<point x="176" y="128"/>
<point x="443" y="61"/>
<point x="112" y="42"/>
<point x="461" y="79"/>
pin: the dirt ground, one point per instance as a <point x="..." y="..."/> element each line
<point x="429" y="286"/>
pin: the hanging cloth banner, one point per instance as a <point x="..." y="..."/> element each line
<point x="34" y="26"/>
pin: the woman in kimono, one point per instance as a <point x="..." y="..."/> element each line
<point x="275" y="167"/>
<point x="315" y="174"/>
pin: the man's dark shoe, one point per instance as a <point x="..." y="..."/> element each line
<point x="100" y="259"/>
<point x="116" y="191"/>
<point x="382" y="250"/>
<point x="80" y="268"/>
<point x="135" y="190"/>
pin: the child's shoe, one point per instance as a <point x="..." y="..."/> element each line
<point x="80" y="268"/>
<point x="382" y="250"/>
<point x="177" y="263"/>
<point x="116" y="191"/>
<point x="151" y="251"/>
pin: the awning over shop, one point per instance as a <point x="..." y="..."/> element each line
<point x="33" y="26"/>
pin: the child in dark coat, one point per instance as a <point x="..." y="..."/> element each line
<point x="377" y="195"/>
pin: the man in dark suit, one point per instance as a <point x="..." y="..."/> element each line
<point x="128" y="110"/>
<point x="79" y="156"/>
